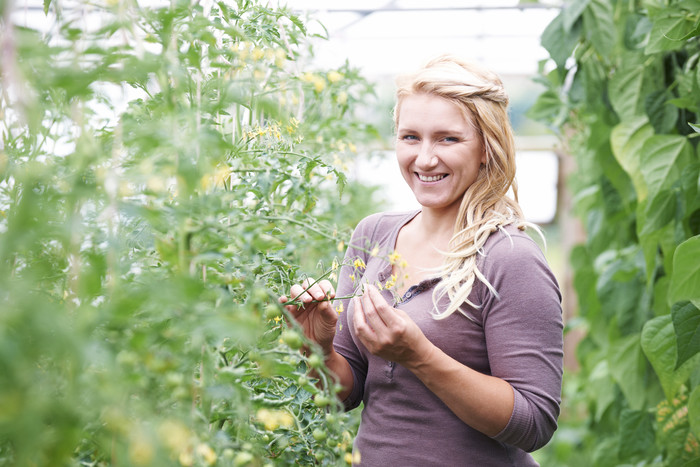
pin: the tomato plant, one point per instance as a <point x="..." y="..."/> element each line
<point x="165" y="174"/>
<point x="625" y="97"/>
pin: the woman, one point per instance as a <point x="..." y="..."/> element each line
<point x="453" y="340"/>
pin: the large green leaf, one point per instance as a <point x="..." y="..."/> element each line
<point x="627" y="369"/>
<point x="686" y="323"/>
<point x="637" y="431"/>
<point x="670" y="30"/>
<point x="625" y="89"/>
<point x="572" y="12"/>
<point x="663" y="158"/>
<point x="560" y="41"/>
<point x="657" y="213"/>
<point x="694" y="411"/>
<point x="599" y="25"/>
<point x="685" y="280"/>
<point x="627" y="140"/>
<point x="659" y="345"/>
<point x="548" y="107"/>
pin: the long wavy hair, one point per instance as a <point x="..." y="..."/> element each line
<point x="485" y="206"/>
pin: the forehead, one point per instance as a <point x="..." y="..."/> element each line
<point x="424" y="108"/>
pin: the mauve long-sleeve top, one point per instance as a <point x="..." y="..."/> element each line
<point x="516" y="336"/>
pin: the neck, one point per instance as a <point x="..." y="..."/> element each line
<point x="437" y="226"/>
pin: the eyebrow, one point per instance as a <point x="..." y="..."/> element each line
<point x="438" y="133"/>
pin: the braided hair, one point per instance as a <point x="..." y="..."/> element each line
<point x="485" y="207"/>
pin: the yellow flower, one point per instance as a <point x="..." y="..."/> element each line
<point x="394" y="257"/>
<point x="359" y="264"/>
<point x="375" y="251"/>
<point x="352" y="278"/>
<point x="206" y="453"/>
<point x="339" y="309"/>
<point x="319" y="83"/>
<point x="341" y="245"/>
<point x="257" y="53"/>
<point x="175" y="435"/>
<point x="141" y="451"/>
<point x="342" y="98"/>
<point x="334" y="76"/>
<point x="403" y="263"/>
<point x="352" y="147"/>
<point x="273" y="419"/>
<point x="391" y="282"/>
<point x="334" y="265"/>
<point x="186" y="458"/>
<point x="280" y="57"/>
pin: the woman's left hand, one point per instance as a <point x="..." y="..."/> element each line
<point x="387" y="332"/>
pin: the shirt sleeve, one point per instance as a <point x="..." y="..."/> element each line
<point x="524" y="337"/>
<point x="350" y="275"/>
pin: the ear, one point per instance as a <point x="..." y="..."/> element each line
<point x="484" y="157"/>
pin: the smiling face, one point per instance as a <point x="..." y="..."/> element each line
<point x="438" y="150"/>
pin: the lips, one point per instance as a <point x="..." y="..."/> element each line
<point x="430" y="178"/>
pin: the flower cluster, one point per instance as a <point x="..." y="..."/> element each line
<point x="273" y="419"/>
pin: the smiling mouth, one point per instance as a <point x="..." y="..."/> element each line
<point x="433" y="178"/>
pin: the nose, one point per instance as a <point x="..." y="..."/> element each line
<point x="426" y="158"/>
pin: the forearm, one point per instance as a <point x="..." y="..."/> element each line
<point x="481" y="401"/>
<point x="342" y="373"/>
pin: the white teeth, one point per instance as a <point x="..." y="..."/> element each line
<point x="434" y="178"/>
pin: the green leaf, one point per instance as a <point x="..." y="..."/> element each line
<point x="658" y="213"/>
<point x="673" y="428"/>
<point x="686" y="323"/>
<point x="663" y="115"/>
<point x="685" y="280"/>
<point x="670" y="30"/>
<point x="599" y="26"/>
<point x="625" y="88"/>
<point x="627" y="369"/>
<point x="637" y="431"/>
<point x="548" y="108"/>
<point x="560" y="41"/>
<point x="47" y="4"/>
<point x="572" y="12"/>
<point x="627" y="139"/>
<point x="663" y="158"/>
<point x="694" y="411"/>
<point x="659" y="345"/>
<point x="695" y="127"/>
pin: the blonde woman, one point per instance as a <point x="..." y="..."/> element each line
<point x="454" y="339"/>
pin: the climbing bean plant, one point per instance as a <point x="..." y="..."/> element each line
<point x="622" y="90"/>
<point x="166" y="171"/>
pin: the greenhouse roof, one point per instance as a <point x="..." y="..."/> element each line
<point x="392" y="36"/>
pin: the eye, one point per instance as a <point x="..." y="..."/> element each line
<point x="408" y="137"/>
<point x="451" y="139"/>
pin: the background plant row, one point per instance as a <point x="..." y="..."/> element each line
<point x="165" y="174"/>
<point x="625" y="97"/>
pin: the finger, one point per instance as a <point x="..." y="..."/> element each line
<point x="328" y="290"/>
<point x="314" y="289"/>
<point x="362" y="329"/>
<point x="371" y="314"/>
<point x="298" y="292"/>
<point x="385" y="312"/>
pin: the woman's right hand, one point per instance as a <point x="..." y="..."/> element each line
<point x="315" y="314"/>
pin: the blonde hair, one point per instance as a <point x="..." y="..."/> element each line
<point x="485" y="207"/>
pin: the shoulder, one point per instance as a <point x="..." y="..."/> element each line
<point x="379" y="226"/>
<point x="509" y="253"/>
<point x="511" y="244"/>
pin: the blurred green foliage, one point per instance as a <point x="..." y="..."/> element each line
<point x="624" y="95"/>
<point x="164" y="172"/>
